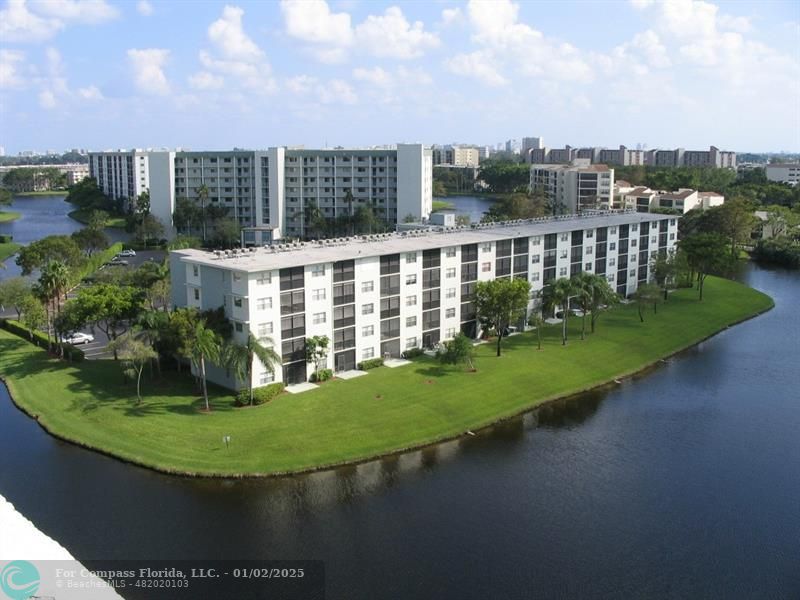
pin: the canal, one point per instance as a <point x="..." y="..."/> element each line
<point x="42" y="216"/>
<point x="683" y="483"/>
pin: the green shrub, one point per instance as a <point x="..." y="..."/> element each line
<point x="366" y="365"/>
<point x="261" y="395"/>
<point x="322" y="375"/>
<point x="413" y="353"/>
<point x="71" y="353"/>
<point x="6" y="238"/>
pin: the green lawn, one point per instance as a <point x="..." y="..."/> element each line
<point x="384" y="411"/>
<point x="7" y="249"/>
<point x="82" y="216"/>
<point x="441" y="205"/>
<point x="6" y="216"/>
<point x="46" y="193"/>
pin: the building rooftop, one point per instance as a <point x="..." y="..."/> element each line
<point x="783" y="165"/>
<point x="679" y="195"/>
<point x="281" y="256"/>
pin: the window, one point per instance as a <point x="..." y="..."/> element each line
<point x="486" y="267"/>
<point x="317" y="270"/>
<point x="344" y="271"/>
<point x="265" y="378"/>
<point x="411" y="343"/>
<point x="411" y="279"/>
<point x="450" y="252"/>
<point x="264" y="329"/>
<point x="263" y="278"/>
<point x="535" y="259"/>
<point x="196" y="294"/>
<point x="411" y="321"/>
<point x="368" y="330"/>
<point x="450" y="313"/>
<point x="237" y="277"/>
<point x="367" y="286"/>
<point x="450" y="272"/>
<point x="368" y="353"/>
<point x="292" y="278"/>
<point x="451" y="293"/>
<point x="612" y="262"/>
<point x="450" y="332"/>
<point x="195" y="270"/>
<point x="612" y="246"/>
<point x="587" y="267"/>
<point x="411" y="257"/>
<point x="613" y="231"/>
<point x="535" y="277"/>
<point x="589" y="233"/>
<point x="344" y="293"/>
<point x="536" y="240"/>
<point x="564" y="237"/>
<point x="633" y="242"/>
<point x="237" y="302"/>
<point x="672" y="236"/>
<point x="262" y="303"/>
<point x="318" y="318"/>
<point x="589" y="250"/>
<point x="237" y="326"/>
<point x="318" y="294"/>
<point x="367" y="309"/>
<point x="344" y="316"/>
<point x="487" y="247"/>
<point x="564" y="253"/>
<point x="672" y="222"/>
<point x="632" y="273"/>
<point x="562" y="272"/>
<point x="411" y="300"/>
<point x="390" y="307"/>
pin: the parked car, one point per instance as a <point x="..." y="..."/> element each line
<point x="79" y="338"/>
<point x="127" y="253"/>
<point x="117" y="262"/>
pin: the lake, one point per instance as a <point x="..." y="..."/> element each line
<point x="43" y="216"/>
<point x="684" y="483"/>
<point x="473" y="206"/>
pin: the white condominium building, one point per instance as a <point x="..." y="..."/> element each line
<point x="643" y="199"/>
<point x="783" y="172"/>
<point x="279" y="187"/>
<point x="713" y="157"/>
<point x="379" y="295"/>
<point x="121" y="174"/>
<point x="574" y="188"/>
<point x="457" y="156"/>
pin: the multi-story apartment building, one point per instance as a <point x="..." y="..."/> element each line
<point x="784" y="172"/>
<point x="277" y="187"/>
<point x="643" y="199"/>
<point x="121" y="174"/>
<point x="377" y="296"/>
<point x="532" y="143"/>
<point x="713" y="157"/>
<point x="575" y="188"/>
<point x="456" y="156"/>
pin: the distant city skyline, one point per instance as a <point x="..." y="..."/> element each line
<point x="101" y="74"/>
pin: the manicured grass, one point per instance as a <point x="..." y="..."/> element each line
<point x="8" y="248"/>
<point x="48" y="193"/>
<point x="384" y="411"/>
<point x="441" y="205"/>
<point x="6" y="216"/>
<point x="82" y="216"/>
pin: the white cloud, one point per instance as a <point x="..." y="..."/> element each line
<point x="144" y="8"/>
<point x="10" y="61"/>
<point x="148" y="70"/>
<point x="80" y="11"/>
<point x="391" y="35"/>
<point x="90" y="93"/>
<point x="18" y="24"/>
<point x="47" y="99"/>
<point x="740" y="24"/>
<point x="228" y="36"/>
<point x="478" y="65"/>
<point x="204" y="80"/>
<point x="375" y="76"/>
<point x="336" y="91"/>
<point x="452" y="16"/>
<point x="301" y="84"/>
<point x="312" y="21"/>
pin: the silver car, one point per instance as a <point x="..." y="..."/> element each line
<point x="79" y="338"/>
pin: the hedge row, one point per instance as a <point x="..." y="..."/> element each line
<point x="261" y="395"/>
<point x="71" y="353"/>
<point x="6" y="238"/>
<point x="97" y="261"/>
<point x="366" y="365"/>
<point x="413" y="353"/>
<point x="322" y="375"/>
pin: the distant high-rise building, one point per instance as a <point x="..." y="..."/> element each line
<point x="532" y="143"/>
<point x="575" y="188"/>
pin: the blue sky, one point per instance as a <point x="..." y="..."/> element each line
<point x="102" y="73"/>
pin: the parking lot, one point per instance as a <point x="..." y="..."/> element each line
<point x="97" y="348"/>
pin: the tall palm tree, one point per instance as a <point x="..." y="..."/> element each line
<point x="202" y="195"/>
<point x="205" y="346"/>
<point x="562" y="291"/>
<point x="241" y="359"/>
<point x="53" y="282"/>
<point x="152" y="327"/>
<point x="583" y="286"/>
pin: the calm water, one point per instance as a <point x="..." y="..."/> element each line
<point x="473" y="206"/>
<point x="42" y="216"/>
<point x="684" y="483"/>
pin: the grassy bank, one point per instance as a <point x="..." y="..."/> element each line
<point x="6" y="216"/>
<point x="441" y="205"/>
<point x="8" y="248"/>
<point x="49" y="193"/>
<point x="81" y="215"/>
<point x="385" y="411"/>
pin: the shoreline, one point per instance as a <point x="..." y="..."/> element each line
<point x="495" y="420"/>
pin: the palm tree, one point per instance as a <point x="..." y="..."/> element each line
<point x="205" y="345"/>
<point x="153" y="328"/>
<point x="241" y="358"/>
<point x="562" y="291"/>
<point x="53" y="282"/>
<point x="583" y="286"/>
<point x="202" y="195"/>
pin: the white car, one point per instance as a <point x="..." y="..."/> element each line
<point x="79" y="338"/>
<point x="127" y="253"/>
